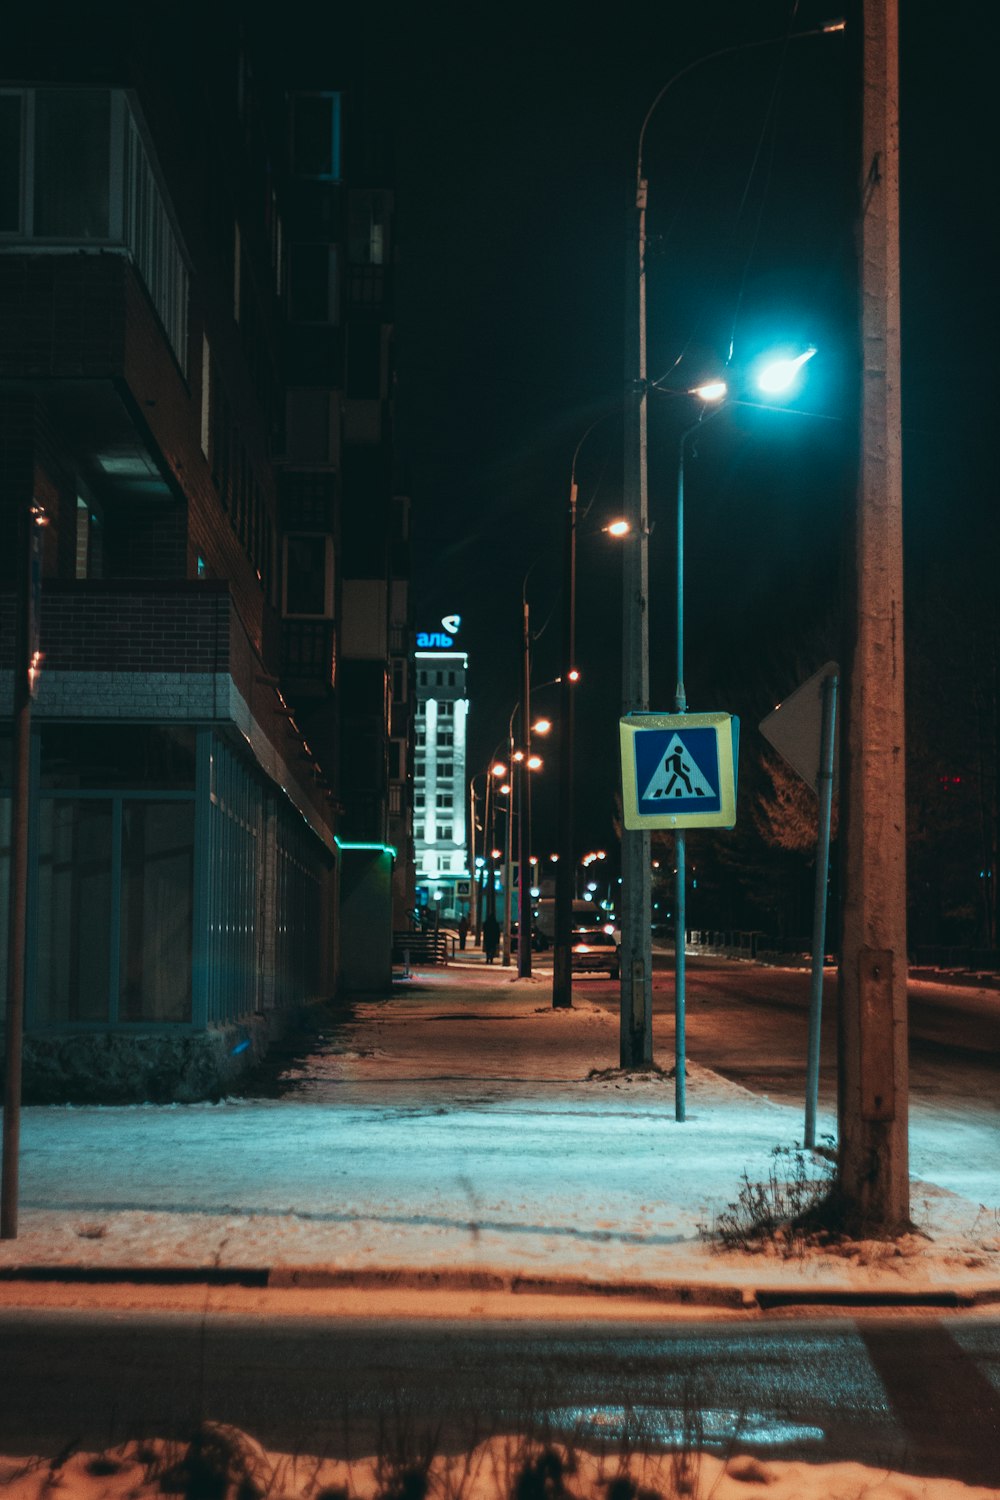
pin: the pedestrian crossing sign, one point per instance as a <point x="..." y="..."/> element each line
<point x="679" y="770"/>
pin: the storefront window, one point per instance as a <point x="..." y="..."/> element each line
<point x="156" y="915"/>
<point x="74" y="909"/>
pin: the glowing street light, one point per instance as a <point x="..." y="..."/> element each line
<point x="636" y="1012"/>
<point x="779" y="375"/>
<point x="714" y="390"/>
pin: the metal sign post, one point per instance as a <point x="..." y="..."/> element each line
<point x="679" y="772"/>
<point x="803" y="730"/>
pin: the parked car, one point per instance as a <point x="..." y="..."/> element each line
<point x="595" y="951"/>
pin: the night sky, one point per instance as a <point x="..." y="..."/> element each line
<point x="515" y="160"/>
<point x="514" y="134"/>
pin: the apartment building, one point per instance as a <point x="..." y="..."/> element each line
<point x="211" y="787"/>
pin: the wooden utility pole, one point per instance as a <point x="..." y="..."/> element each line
<point x="873" y="1105"/>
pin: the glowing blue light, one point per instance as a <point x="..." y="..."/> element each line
<point x="780" y="374"/>
<point x="240" y="1047"/>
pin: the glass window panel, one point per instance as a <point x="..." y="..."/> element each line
<point x="307" y="577"/>
<point x="10" y="163"/>
<point x="4" y="889"/>
<point x="71" y="162"/>
<point x="157" y="907"/>
<point x="312" y="284"/>
<point x="74" y="909"/>
<point x="317" y="135"/>
<point x="118" y="756"/>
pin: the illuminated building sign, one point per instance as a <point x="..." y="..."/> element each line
<point x="440" y="640"/>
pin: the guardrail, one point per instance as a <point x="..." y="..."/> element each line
<point x="943" y="956"/>
<point x="431" y="947"/>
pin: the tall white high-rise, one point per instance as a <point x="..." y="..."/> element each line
<point x="439" y="799"/>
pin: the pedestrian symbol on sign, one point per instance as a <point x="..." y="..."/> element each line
<point x="677" y="776"/>
<point x="679" y="770"/>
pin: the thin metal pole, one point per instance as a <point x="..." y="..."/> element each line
<point x="636" y="1009"/>
<point x="562" y="971"/>
<point x="508" y="866"/>
<point x="825" y="790"/>
<point x="680" y="989"/>
<point x="680" y="840"/>
<point x="524" y="803"/>
<point x="473" y="871"/>
<point x="20" y="810"/>
<point x="636" y="967"/>
<point x="489" y="819"/>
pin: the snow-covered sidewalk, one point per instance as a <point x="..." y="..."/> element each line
<point x="462" y="1130"/>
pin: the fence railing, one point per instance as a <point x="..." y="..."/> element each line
<point x="431" y="947"/>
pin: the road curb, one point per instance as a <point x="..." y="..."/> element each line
<point x="680" y="1293"/>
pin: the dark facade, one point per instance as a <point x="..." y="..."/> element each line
<point x="213" y="770"/>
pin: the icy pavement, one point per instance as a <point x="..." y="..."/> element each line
<point x="454" y="1131"/>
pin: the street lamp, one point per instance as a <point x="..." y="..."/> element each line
<point x="636" y="947"/>
<point x="773" y="376"/>
<point x="562" y="956"/>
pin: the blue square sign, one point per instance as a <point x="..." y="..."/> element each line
<point x="679" y="770"/>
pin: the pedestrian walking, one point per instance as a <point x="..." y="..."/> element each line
<point x="463" y="931"/>
<point x="491" y="937"/>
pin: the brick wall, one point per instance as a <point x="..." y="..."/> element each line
<point x="62" y="315"/>
<point x="119" y="627"/>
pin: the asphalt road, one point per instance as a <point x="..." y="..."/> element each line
<point x="918" y="1394"/>
<point x="749" y="1023"/>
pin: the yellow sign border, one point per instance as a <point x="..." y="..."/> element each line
<point x="633" y="724"/>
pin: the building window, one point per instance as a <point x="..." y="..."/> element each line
<point x="307" y="577"/>
<point x="316" y="136"/>
<point x="314" y="284"/>
<point x="445" y="739"/>
<point x="444" y="799"/>
<point x="444" y="831"/>
<point x="397" y="760"/>
<point x="156" y="910"/>
<point x="206" y="397"/>
<point x="446" y="710"/>
<point x="74" y="909"/>
<point x="11" y="137"/>
<point x="368" y="228"/>
<point x="446" y="768"/>
<point x="150" y="237"/>
<point x="73" y="167"/>
<point x="399" y="674"/>
<point x="72" y="138"/>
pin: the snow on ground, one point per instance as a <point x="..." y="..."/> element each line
<point x="134" y="1471"/>
<point x="456" y="1128"/>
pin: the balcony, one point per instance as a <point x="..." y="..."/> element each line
<point x="308" y="655"/>
<point x="163" y="652"/>
<point x="82" y="179"/>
